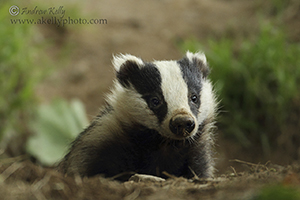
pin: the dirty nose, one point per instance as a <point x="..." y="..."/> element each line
<point x="182" y="125"/>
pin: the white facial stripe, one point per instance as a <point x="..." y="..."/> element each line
<point x="174" y="87"/>
<point x="207" y="102"/>
<point x="175" y="91"/>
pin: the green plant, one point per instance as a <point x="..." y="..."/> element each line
<point x="55" y="126"/>
<point x="18" y="74"/>
<point x="23" y="64"/>
<point x="257" y="81"/>
<point x="278" y="192"/>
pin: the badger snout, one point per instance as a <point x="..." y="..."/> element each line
<point x="182" y="125"/>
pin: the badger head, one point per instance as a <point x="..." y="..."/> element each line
<point x="172" y="97"/>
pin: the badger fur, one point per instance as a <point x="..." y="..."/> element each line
<point x="158" y="117"/>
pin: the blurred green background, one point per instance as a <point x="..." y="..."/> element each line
<point x="53" y="77"/>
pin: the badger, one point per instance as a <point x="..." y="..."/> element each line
<point x="159" y="117"/>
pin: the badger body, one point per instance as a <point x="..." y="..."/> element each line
<point x="158" y="117"/>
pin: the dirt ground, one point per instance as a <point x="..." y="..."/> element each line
<point x="24" y="180"/>
<point x="151" y="30"/>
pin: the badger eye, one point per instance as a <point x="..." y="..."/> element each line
<point x="154" y="102"/>
<point x="194" y="98"/>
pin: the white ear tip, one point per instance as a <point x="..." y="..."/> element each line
<point x="199" y="55"/>
<point x="120" y="59"/>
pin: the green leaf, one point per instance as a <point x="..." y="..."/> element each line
<point x="55" y="126"/>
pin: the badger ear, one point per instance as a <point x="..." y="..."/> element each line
<point x="126" y="66"/>
<point x="200" y="61"/>
<point x="121" y="60"/>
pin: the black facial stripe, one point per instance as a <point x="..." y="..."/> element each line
<point x="192" y="75"/>
<point x="147" y="82"/>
